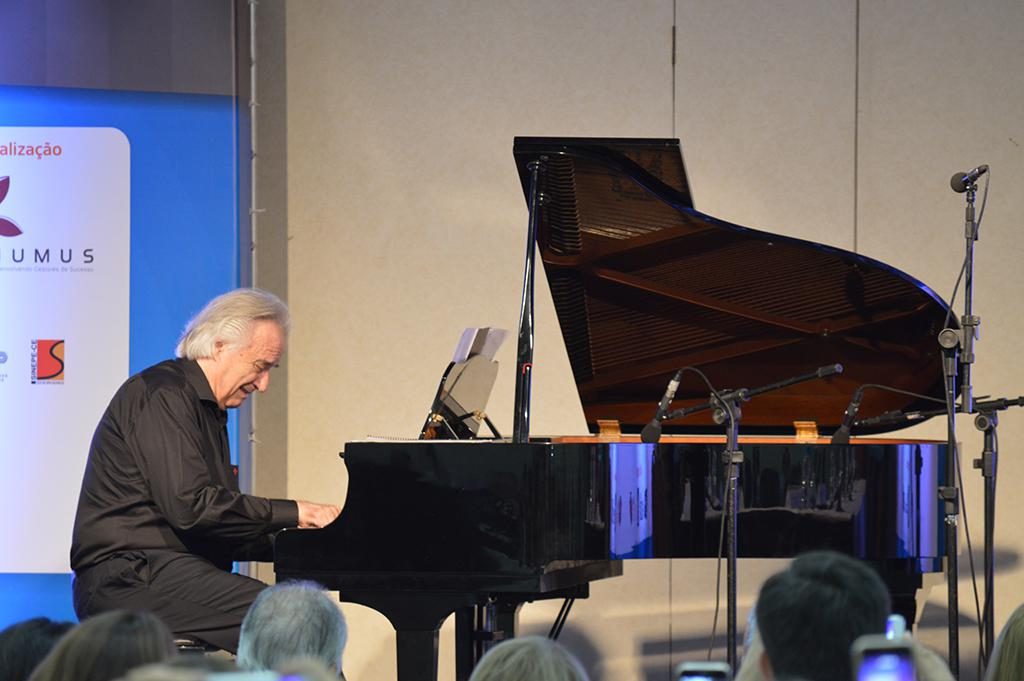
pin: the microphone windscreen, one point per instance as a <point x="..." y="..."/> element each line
<point x="651" y="433"/>
<point x="841" y="436"/>
<point x="958" y="184"/>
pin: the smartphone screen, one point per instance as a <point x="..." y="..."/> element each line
<point x="703" y="671"/>
<point x="886" y="665"/>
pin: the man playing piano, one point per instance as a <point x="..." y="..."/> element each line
<point x="160" y="517"/>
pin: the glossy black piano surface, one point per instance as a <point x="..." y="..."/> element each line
<point x="644" y="284"/>
<point x="495" y="517"/>
<point x="435" y="527"/>
<point x="459" y="515"/>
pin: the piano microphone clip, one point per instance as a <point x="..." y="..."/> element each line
<point x="842" y="434"/>
<point x="652" y="431"/>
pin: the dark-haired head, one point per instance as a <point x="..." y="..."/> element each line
<point x="810" y="614"/>
<point x="24" y="645"/>
<point x="106" y="646"/>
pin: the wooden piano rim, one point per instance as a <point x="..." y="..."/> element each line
<point x="744" y="439"/>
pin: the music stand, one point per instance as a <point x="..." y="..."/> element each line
<point x="459" y="405"/>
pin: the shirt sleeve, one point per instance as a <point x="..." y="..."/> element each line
<point x="180" y="466"/>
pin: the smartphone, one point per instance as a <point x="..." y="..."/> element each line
<point x="252" y="676"/>
<point x="704" y="671"/>
<point x="877" y="658"/>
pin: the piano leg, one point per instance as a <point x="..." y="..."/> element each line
<point x="903" y="589"/>
<point x="417" y="654"/>
<point x="417" y="618"/>
<point x="465" y="646"/>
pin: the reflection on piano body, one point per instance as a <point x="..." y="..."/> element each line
<point x="644" y="284"/>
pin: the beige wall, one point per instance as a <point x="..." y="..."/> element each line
<point x="406" y="222"/>
<point x="941" y="92"/>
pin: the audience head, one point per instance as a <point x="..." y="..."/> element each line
<point x="164" y="672"/>
<point x="106" y="646"/>
<point x="531" y="657"/>
<point x="293" y="619"/>
<point x="308" y="670"/>
<point x="809" y="615"/>
<point x="24" y="645"/>
<point x="185" y="667"/>
<point x="1007" y="661"/>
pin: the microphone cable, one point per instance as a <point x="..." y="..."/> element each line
<point x="730" y="481"/>
<point x="899" y="391"/>
<point x="982" y="654"/>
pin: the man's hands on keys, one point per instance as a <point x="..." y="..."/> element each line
<point x="316" y="515"/>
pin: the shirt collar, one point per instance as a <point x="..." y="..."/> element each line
<point x="197" y="379"/>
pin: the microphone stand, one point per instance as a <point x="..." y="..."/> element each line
<point x="951" y="340"/>
<point x="728" y="411"/>
<point x="969" y="322"/>
<point x="726" y="406"/>
<point x="986" y="421"/>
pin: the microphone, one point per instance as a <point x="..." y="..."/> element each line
<point x="652" y="431"/>
<point x="842" y="434"/>
<point x="829" y="370"/>
<point x="890" y="417"/>
<point x="961" y="181"/>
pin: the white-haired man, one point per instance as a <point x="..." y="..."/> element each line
<point x="160" y="517"/>
<point x="292" y="620"/>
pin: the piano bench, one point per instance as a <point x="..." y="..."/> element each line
<point x="190" y="645"/>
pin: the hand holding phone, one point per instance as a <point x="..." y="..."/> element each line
<point x="877" y="658"/>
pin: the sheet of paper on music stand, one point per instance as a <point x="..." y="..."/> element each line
<point x="484" y="341"/>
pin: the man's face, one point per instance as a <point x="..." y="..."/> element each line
<point x="245" y="369"/>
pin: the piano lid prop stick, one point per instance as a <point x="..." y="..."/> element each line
<point x="524" y="351"/>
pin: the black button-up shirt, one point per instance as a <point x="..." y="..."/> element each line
<point x="159" y="477"/>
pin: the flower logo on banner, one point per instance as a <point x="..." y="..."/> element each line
<point x="7" y="226"/>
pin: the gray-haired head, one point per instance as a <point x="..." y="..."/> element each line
<point x="530" y="657"/>
<point x="229" y="318"/>
<point x="290" y="620"/>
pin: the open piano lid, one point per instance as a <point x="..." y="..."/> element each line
<point x="643" y="284"/>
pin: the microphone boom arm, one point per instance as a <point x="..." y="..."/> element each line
<point x="744" y="394"/>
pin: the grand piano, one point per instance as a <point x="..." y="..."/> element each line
<point x="644" y="284"/>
